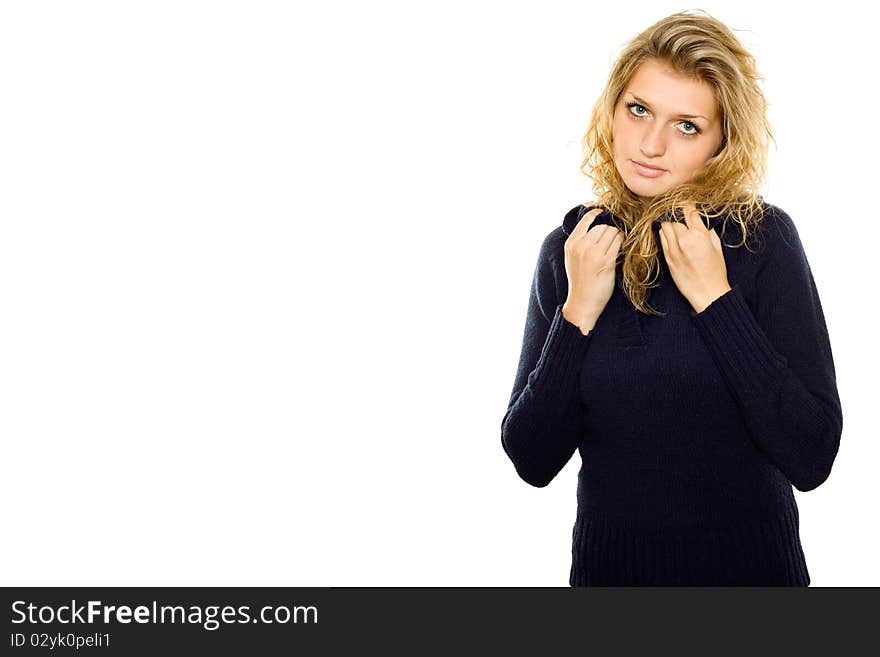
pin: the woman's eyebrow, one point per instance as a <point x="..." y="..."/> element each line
<point x="680" y="116"/>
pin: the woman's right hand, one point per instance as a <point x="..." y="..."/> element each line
<point x="590" y="261"/>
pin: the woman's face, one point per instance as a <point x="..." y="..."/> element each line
<point x="654" y="131"/>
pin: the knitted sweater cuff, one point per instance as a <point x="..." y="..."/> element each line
<point x="558" y="370"/>
<point x="740" y="345"/>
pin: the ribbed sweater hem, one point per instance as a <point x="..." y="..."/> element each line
<point x="745" y="552"/>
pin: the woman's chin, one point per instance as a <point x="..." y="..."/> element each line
<point x="644" y="191"/>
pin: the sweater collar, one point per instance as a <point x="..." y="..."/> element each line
<point x="573" y="216"/>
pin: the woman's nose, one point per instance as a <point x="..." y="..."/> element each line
<point x="652" y="142"/>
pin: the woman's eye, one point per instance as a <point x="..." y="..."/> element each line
<point x="694" y="130"/>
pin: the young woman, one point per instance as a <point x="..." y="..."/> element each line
<point x="695" y="415"/>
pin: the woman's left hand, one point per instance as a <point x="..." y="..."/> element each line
<point x="695" y="258"/>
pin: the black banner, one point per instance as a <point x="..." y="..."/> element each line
<point x="540" y="621"/>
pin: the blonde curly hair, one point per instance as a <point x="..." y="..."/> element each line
<point x="696" y="45"/>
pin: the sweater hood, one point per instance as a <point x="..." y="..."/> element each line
<point x="573" y="216"/>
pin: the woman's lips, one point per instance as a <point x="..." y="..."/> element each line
<point x="645" y="171"/>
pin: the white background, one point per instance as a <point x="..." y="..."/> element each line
<point x="264" y="271"/>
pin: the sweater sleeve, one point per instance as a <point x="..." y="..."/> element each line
<point x="542" y="426"/>
<point x="777" y="360"/>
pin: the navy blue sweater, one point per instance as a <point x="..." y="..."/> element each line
<point x="691" y="427"/>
